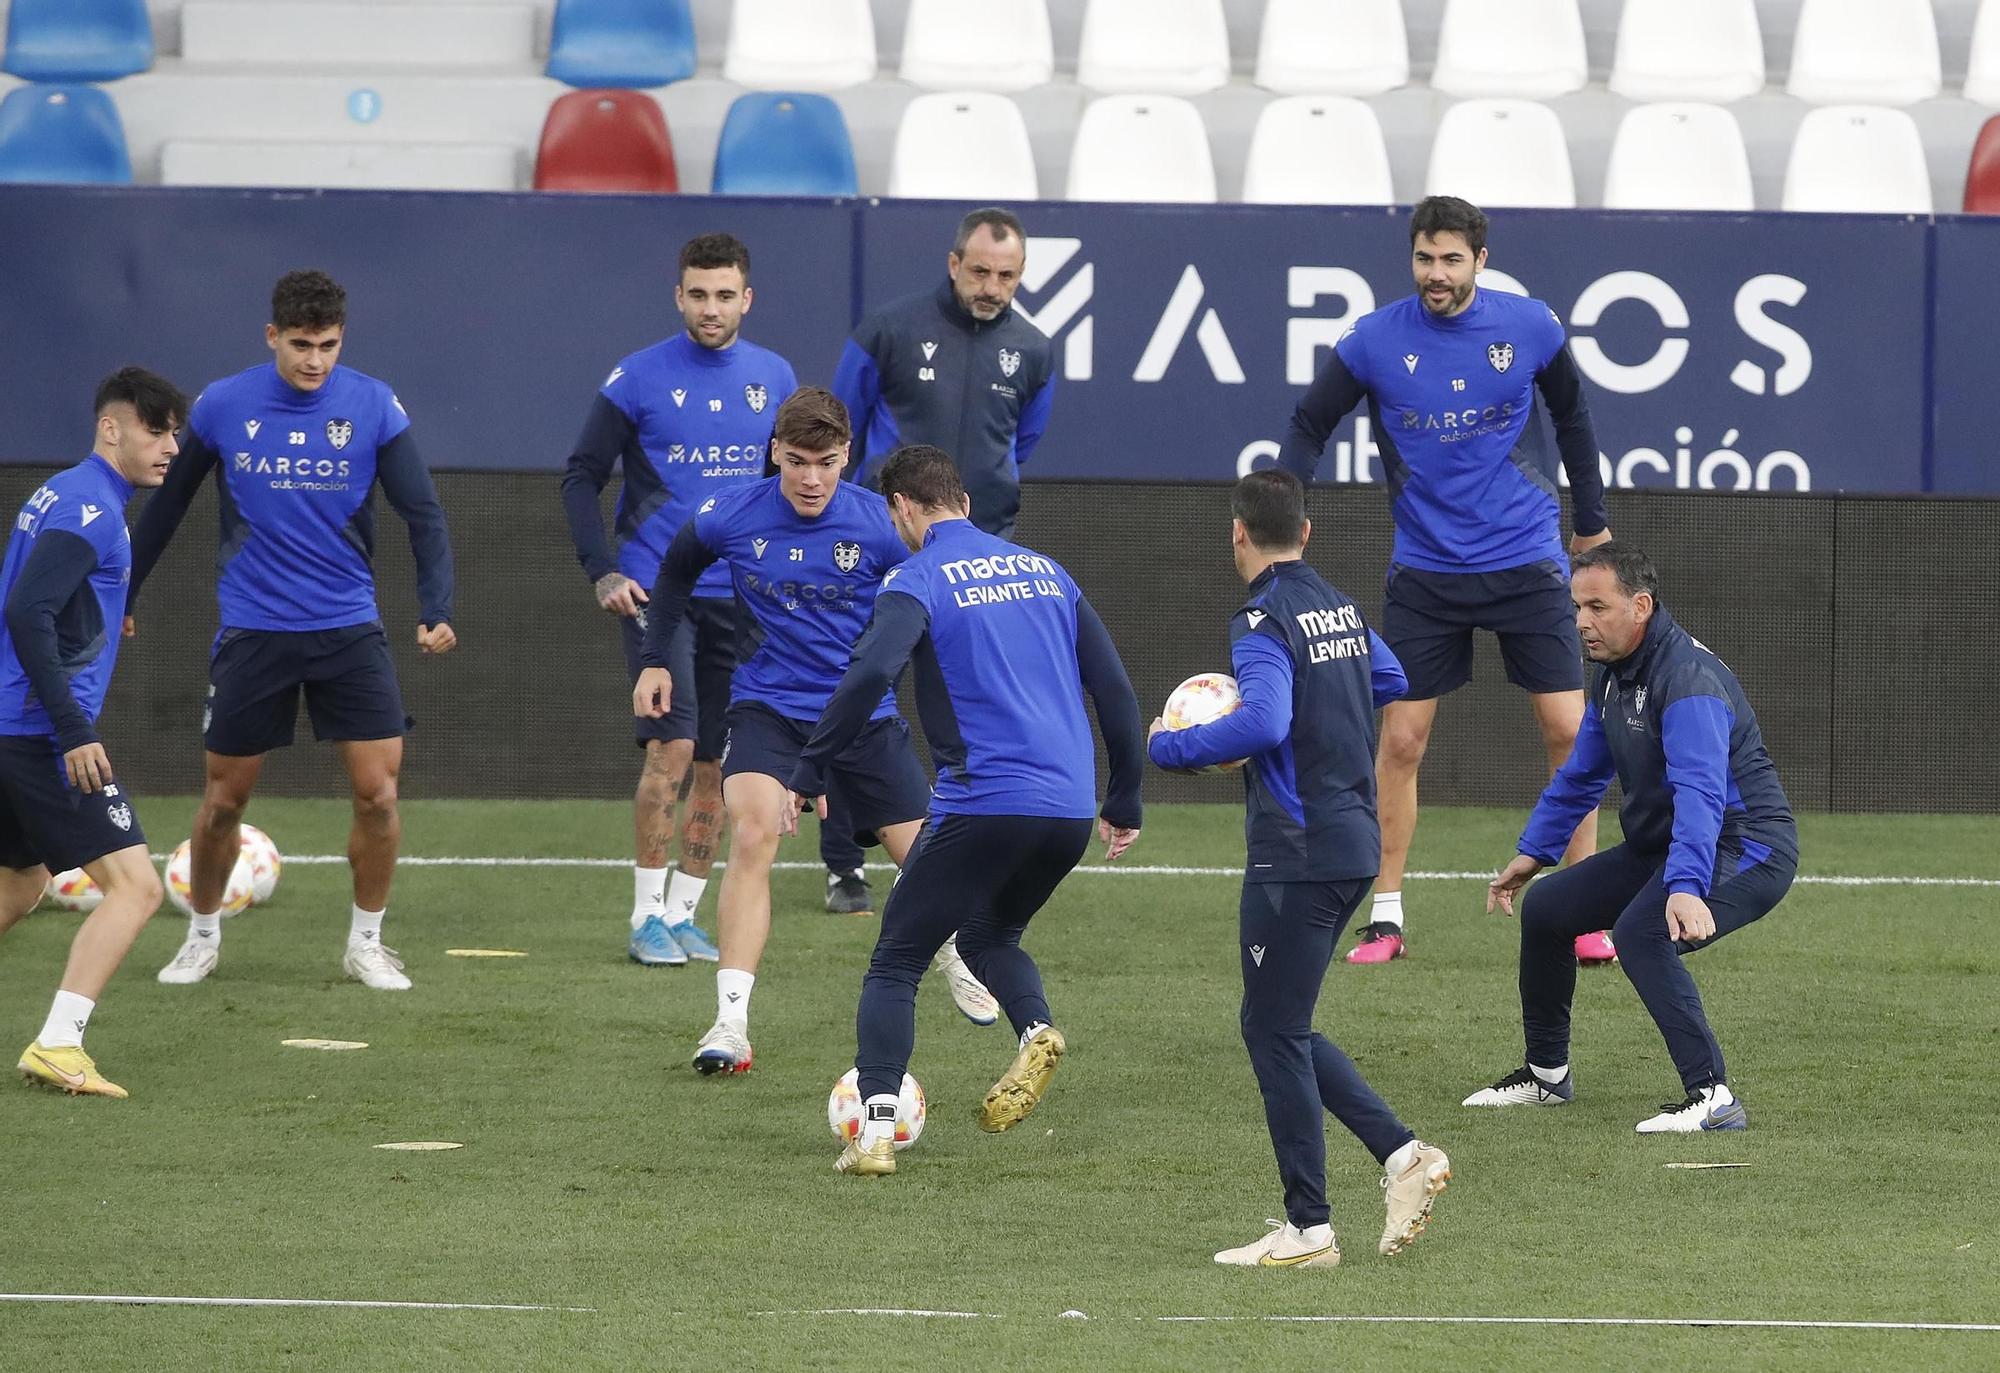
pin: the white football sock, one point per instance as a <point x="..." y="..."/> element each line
<point x="873" y="1129"/>
<point x="1387" y="910"/>
<point x="683" y="895"/>
<point x="207" y="927"/>
<point x="365" y="927"/>
<point x="1314" y="1236"/>
<point x="649" y="887"/>
<point x="68" y="1014"/>
<point x="732" y="995"/>
<point x="1401" y="1159"/>
<point x="1550" y="1075"/>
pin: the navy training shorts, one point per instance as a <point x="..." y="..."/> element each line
<point x="1428" y="619"/>
<point x="701" y="658"/>
<point x="43" y="819"/>
<point x="255" y="677"/>
<point x="878" y="775"/>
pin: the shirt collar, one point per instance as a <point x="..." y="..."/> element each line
<point x="111" y="474"/>
<point x="708" y="357"/>
<point x="947" y="530"/>
<point x="1639" y="662"/>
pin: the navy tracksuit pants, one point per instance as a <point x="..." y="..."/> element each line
<point x="1289" y="930"/>
<point x="1625" y="892"/>
<point x="984" y="876"/>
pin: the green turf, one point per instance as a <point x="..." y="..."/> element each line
<point x="599" y="1171"/>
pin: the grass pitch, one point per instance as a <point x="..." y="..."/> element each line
<point x="599" y="1171"/>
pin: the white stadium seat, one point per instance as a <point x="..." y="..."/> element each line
<point x="996" y="45"/>
<point x="1877" y="52"/>
<point x="1172" y="47"/>
<point x="1527" y="48"/>
<point x="330" y="33"/>
<point x="1333" y="47"/>
<point x="1678" y="157"/>
<point x="1708" y="50"/>
<point x="800" y="45"/>
<point x="1141" y="148"/>
<point x="1858" y="159"/>
<point x="963" y="146"/>
<point x="1318" y="150"/>
<point x="1502" y="152"/>
<point x="1982" y="68"/>
<point x="374" y="166"/>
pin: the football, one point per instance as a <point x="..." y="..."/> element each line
<point x="265" y="864"/>
<point x="74" y="891"/>
<point x="236" y="897"/>
<point x="844" y="1110"/>
<point x="1203" y="699"/>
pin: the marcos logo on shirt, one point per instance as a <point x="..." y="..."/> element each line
<point x="298" y="474"/>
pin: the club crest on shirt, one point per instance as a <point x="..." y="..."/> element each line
<point x="1010" y="361"/>
<point x="757" y="396"/>
<point x="1501" y="355"/>
<point x="847" y="555"/>
<point x="338" y="432"/>
<point x="120" y="815"/>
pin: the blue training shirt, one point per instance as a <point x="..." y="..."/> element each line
<point x="63" y="584"/>
<point x="686" y="423"/>
<point x="298" y="529"/>
<point x="808" y="583"/>
<point x="1005" y="647"/>
<point x="1472" y="483"/>
<point x="1311" y="673"/>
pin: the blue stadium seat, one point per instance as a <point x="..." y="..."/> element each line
<point x="621" y="42"/>
<point x="62" y="133"/>
<point x="78" y="40"/>
<point x="784" y="143"/>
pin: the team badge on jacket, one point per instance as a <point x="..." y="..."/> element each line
<point x="757" y="396"/>
<point x="847" y="555"/>
<point x="1010" y="362"/>
<point x="338" y="432"/>
<point x="1501" y="355"/>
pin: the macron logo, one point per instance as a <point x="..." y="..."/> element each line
<point x="1410" y="361"/>
<point x="1257" y="954"/>
<point x="680" y="395"/>
<point x="253" y="426"/>
<point x="90" y="512"/>
<point x="616" y="373"/>
<point x="929" y="350"/>
<point x="1256" y="618"/>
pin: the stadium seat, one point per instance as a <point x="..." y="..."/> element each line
<point x="78" y="40"/>
<point x="998" y="45"/>
<point x="1532" y="49"/>
<point x="1877" y="52"/>
<point x="1141" y="148"/>
<point x="597" y="43"/>
<point x="800" y="45"/>
<point x="1317" y="150"/>
<point x="1858" y="159"/>
<point x="1982" y="176"/>
<point x="1982" y="68"/>
<point x="606" y="141"/>
<point x="1333" y="47"/>
<point x="1688" y="50"/>
<point x="784" y="143"/>
<point x="1502" y="152"/>
<point x="965" y="146"/>
<point x="62" y="133"/>
<point x="332" y="33"/>
<point x="365" y="166"/>
<point x="1678" y="157"/>
<point x="1174" y="47"/>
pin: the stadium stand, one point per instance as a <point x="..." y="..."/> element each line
<point x="78" y="40"/>
<point x="1333" y="47"/>
<point x="1678" y="157"/>
<point x="784" y="143"/>
<point x="1145" y="47"/>
<point x="999" y="45"/>
<point x="1861" y="159"/>
<point x="348" y="33"/>
<point x="1318" y="150"/>
<point x="800" y="45"/>
<point x="51" y="132"/>
<point x="1879" y="52"/>
<point x="1530" y="48"/>
<point x="1982" y="63"/>
<point x="598" y="43"/>
<point x="934" y="157"/>
<point x="1688" y="50"/>
<point x="606" y="141"/>
<point x="1502" y="152"/>
<point x="360" y="166"/>
<point x="1982" y="178"/>
<point x="1141" y="148"/>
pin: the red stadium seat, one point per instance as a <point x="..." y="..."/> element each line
<point x="1982" y="177"/>
<point x="606" y="141"/>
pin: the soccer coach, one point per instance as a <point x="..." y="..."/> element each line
<point x="1710" y="844"/>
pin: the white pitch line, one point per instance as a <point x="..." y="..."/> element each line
<point x="310" y="860"/>
<point x="1690" y="1322"/>
<point x="113" y="1299"/>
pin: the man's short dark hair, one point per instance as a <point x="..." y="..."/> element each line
<point x="710" y="251"/>
<point x="925" y="474"/>
<point x="1627" y="562"/>
<point x="1447" y="214"/>
<point x="311" y="301"/>
<point x="1272" y="506"/>
<point x="812" y="420"/>
<point x="159" y="402"/>
<point x="1003" y="224"/>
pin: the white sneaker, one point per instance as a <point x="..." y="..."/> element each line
<point x="1407" y="1196"/>
<point x="196" y="960"/>
<point x="1522" y="1088"/>
<point x="968" y="993"/>
<point x="724" y="1049"/>
<point x="1711" y="1108"/>
<point x="374" y="964"/>
<point x="1286" y="1246"/>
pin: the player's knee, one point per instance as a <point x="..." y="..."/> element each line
<point x="222" y="808"/>
<point x="1403" y="746"/>
<point x="375" y="800"/>
<point x="754" y="832"/>
<point x="134" y="884"/>
<point x="1641" y="937"/>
